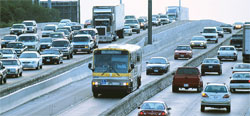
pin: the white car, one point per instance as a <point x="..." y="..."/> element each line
<point x="210" y="33"/>
<point x="240" y="80"/>
<point x="216" y="95"/>
<point x="32" y="41"/>
<point x="31" y="59"/>
<point x="241" y="67"/>
<point x="198" y="41"/>
<point x="13" y="66"/>
<point x="48" y="29"/>
<point x="227" y="52"/>
<point x="31" y="26"/>
<point x="8" y="53"/>
<point x="127" y="30"/>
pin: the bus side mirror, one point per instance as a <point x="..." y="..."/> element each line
<point x="132" y="66"/>
<point x="90" y="66"/>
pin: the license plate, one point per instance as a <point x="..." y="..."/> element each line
<point x="79" y="50"/>
<point x="186" y="85"/>
<point x="156" y="71"/>
<point x="104" y="82"/>
<point x="182" y="55"/>
<point x="48" y="60"/>
<point x="210" y="66"/>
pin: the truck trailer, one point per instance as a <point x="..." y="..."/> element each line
<point x="246" y="44"/>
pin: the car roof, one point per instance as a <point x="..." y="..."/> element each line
<point x="215" y="83"/>
<point x="61" y="40"/>
<point x="154" y="102"/>
<point x="82" y="35"/>
<point x="209" y="27"/>
<point x="226" y="46"/>
<point x="29" y="21"/>
<point x="30" y="52"/>
<point x="29" y="34"/>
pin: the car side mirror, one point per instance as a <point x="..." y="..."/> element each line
<point x="132" y="66"/>
<point x="168" y="108"/>
<point x="139" y="107"/>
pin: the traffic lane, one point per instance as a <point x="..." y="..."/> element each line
<point x="188" y="102"/>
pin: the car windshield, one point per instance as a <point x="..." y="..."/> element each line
<point x="15" y="45"/>
<point x="17" y="26"/>
<point x="126" y="27"/>
<point x="28" y="23"/>
<point x="189" y="71"/>
<point x="242" y="66"/>
<point x="211" y="61"/>
<point x="60" y="44"/>
<point x="50" y="52"/>
<point x="154" y="19"/>
<point x="163" y="16"/>
<point x="49" y="28"/>
<point x="131" y="22"/>
<point x="56" y="35"/>
<point x="157" y="61"/>
<point x="237" y="36"/>
<point x="198" y="39"/>
<point x="81" y="39"/>
<point x="241" y="75"/>
<point x="141" y="20"/>
<point x="153" y="106"/>
<point x="76" y="27"/>
<point x="47" y="40"/>
<point x="216" y="88"/>
<point x="9" y="38"/>
<point x="27" y="39"/>
<point x="183" y="48"/>
<point x="91" y="32"/>
<point x="9" y="62"/>
<point x="219" y="29"/>
<point x="209" y="31"/>
<point x="227" y="48"/>
<point x="6" y="51"/>
<point x="65" y="31"/>
<point x="28" y="55"/>
<point x="171" y="16"/>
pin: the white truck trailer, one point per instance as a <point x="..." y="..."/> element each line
<point x="246" y="44"/>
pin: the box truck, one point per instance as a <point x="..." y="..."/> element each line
<point x="246" y="44"/>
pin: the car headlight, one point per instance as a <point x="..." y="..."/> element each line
<point x="56" y="57"/>
<point x="192" y="43"/>
<point x="202" y="43"/>
<point x="87" y="46"/>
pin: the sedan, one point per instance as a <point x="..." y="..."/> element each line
<point x="241" y="67"/>
<point x="31" y="59"/>
<point x="227" y="52"/>
<point x="211" y="65"/>
<point x="8" y="38"/>
<point x="183" y="51"/>
<point x="240" y="80"/>
<point x="8" y="53"/>
<point x="157" y="65"/>
<point x="52" y="56"/>
<point x="238" y="25"/>
<point x="17" y="46"/>
<point x="127" y="30"/>
<point x="13" y="66"/>
<point x="154" y="108"/>
<point x="198" y="41"/>
<point x="220" y="32"/>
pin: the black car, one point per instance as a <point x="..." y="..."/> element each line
<point x="45" y="43"/>
<point x="227" y="28"/>
<point x="52" y="56"/>
<point x="154" y="108"/>
<point x="236" y="40"/>
<point x="211" y="65"/>
<point x="157" y="65"/>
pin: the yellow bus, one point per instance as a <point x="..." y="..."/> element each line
<point x="116" y="68"/>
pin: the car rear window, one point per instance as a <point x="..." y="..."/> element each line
<point x="153" y="106"/>
<point x="241" y="75"/>
<point x="190" y="71"/>
<point x="215" y="88"/>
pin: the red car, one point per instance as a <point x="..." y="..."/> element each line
<point x="183" y="51"/>
<point x="154" y="108"/>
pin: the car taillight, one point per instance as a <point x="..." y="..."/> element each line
<point x="141" y="113"/>
<point x="163" y="113"/>
<point x="204" y="95"/>
<point x="226" y="96"/>
<point x="248" y="81"/>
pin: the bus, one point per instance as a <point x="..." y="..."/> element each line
<point x="116" y="68"/>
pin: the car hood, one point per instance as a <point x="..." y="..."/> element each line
<point x="156" y="65"/>
<point x="47" y="55"/>
<point x="80" y="43"/>
<point x="29" y="59"/>
<point x="16" y="29"/>
<point x="209" y="34"/>
<point x="11" y="66"/>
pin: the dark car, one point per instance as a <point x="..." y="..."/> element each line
<point x="237" y="40"/>
<point x="227" y="28"/>
<point x="17" y="46"/>
<point x="45" y="43"/>
<point x="154" y="108"/>
<point x="183" y="51"/>
<point x="52" y="56"/>
<point x="8" y="38"/>
<point x="238" y="25"/>
<point x="143" y="23"/>
<point x="157" y="65"/>
<point x="64" y="46"/>
<point x="187" y="77"/>
<point x="211" y="65"/>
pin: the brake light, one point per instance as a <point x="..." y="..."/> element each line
<point x="163" y="113"/>
<point x="226" y="96"/>
<point x="248" y="81"/>
<point x="141" y="113"/>
<point x="204" y="95"/>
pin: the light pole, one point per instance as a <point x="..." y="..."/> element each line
<point x="149" y="21"/>
<point x="179" y="8"/>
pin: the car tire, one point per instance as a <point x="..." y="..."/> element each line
<point x="147" y="73"/>
<point x="216" y="41"/>
<point x="220" y="72"/>
<point x="38" y="67"/>
<point x="71" y="55"/>
<point x="175" y="89"/>
<point x="138" y="82"/>
<point x="21" y="74"/>
<point x="68" y="57"/>
<point x="235" y="59"/>
<point x="232" y="90"/>
<point x="74" y="52"/>
<point x="203" y="73"/>
<point x="202" y="108"/>
<point x="205" y="47"/>
<point x="228" y="108"/>
<point x="41" y="67"/>
<point x="89" y="52"/>
<point x="130" y="34"/>
<point x="1" y="80"/>
<point x="175" y="58"/>
<point x="58" y="62"/>
<point x="95" y="94"/>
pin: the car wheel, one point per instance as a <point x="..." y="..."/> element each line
<point x="1" y="80"/>
<point x="138" y="82"/>
<point x="175" y="58"/>
<point x="37" y="68"/>
<point x="220" y="72"/>
<point x="147" y="73"/>
<point x="41" y="67"/>
<point x="203" y="73"/>
<point x="235" y="59"/>
<point x="21" y="74"/>
<point x="95" y="94"/>
<point x="68" y="57"/>
<point x="205" y="47"/>
<point x="228" y="108"/>
<point x="71" y="55"/>
<point x="89" y="52"/>
<point x="58" y="62"/>
<point x="175" y="89"/>
<point x="202" y="108"/>
<point x="74" y="52"/>
<point x="16" y="75"/>
<point x="130" y="34"/>
<point x="232" y="90"/>
<point x="199" y="89"/>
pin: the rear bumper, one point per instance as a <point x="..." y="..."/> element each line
<point x="227" y="57"/>
<point x="239" y="85"/>
<point x="182" y="55"/>
<point x="186" y="85"/>
<point x="214" y="69"/>
<point x="156" y="70"/>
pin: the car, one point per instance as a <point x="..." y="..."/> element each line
<point x="57" y="35"/>
<point x="198" y="41"/>
<point x="127" y="30"/>
<point x="76" y="28"/>
<point x="94" y="34"/>
<point x="216" y="95"/>
<point x="66" y="32"/>
<point x="236" y="40"/>
<point x="183" y="51"/>
<point x="227" y="52"/>
<point x="227" y="28"/>
<point x="17" y="46"/>
<point x="238" y="25"/>
<point x="64" y="46"/>
<point x="31" y="59"/>
<point x="164" y="19"/>
<point x="241" y="67"/>
<point x="187" y="77"/>
<point x="49" y="29"/>
<point x="239" y="80"/>
<point x="210" y="33"/>
<point x="143" y="23"/>
<point x="66" y="27"/>
<point x="3" y="74"/>
<point x="211" y="65"/>
<point x="157" y="65"/>
<point x="52" y="56"/>
<point x="65" y="21"/>
<point x="8" y="38"/>
<point x="87" y="23"/>
<point x="45" y="43"/>
<point x="32" y="41"/>
<point x="8" y="53"/>
<point x="62" y="25"/>
<point x="13" y="67"/>
<point x="134" y="24"/>
<point x="155" y="21"/>
<point x="129" y="17"/>
<point x="31" y="26"/>
<point x="83" y="43"/>
<point x="18" y="29"/>
<point x="220" y="32"/>
<point x="154" y="108"/>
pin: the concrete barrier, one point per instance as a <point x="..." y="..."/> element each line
<point x="133" y="100"/>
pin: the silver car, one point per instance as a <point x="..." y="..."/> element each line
<point x="240" y="80"/>
<point x="241" y="67"/>
<point x="13" y="66"/>
<point x="227" y="52"/>
<point x="8" y="53"/>
<point x="198" y="41"/>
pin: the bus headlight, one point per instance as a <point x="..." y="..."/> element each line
<point x="95" y="83"/>
<point x="125" y="84"/>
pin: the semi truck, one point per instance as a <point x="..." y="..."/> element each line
<point x="176" y="13"/>
<point x="109" y="22"/>
<point x="246" y="44"/>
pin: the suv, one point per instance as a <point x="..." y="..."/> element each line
<point x="18" y="29"/>
<point x="164" y="19"/>
<point x="3" y="73"/>
<point x="237" y="40"/>
<point x="31" y="26"/>
<point x="82" y="43"/>
<point x="94" y="34"/>
<point x="210" y="33"/>
<point x="64" y="46"/>
<point x="32" y="41"/>
<point x="227" y="28"/>
<point x="187" y="77"/>
<point x="134" y="24"/>
<point x="216" y="95"/>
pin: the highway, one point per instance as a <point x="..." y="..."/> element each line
<point x="76" y="98"/>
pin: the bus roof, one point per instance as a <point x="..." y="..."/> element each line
<point x="123" y="47"/>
